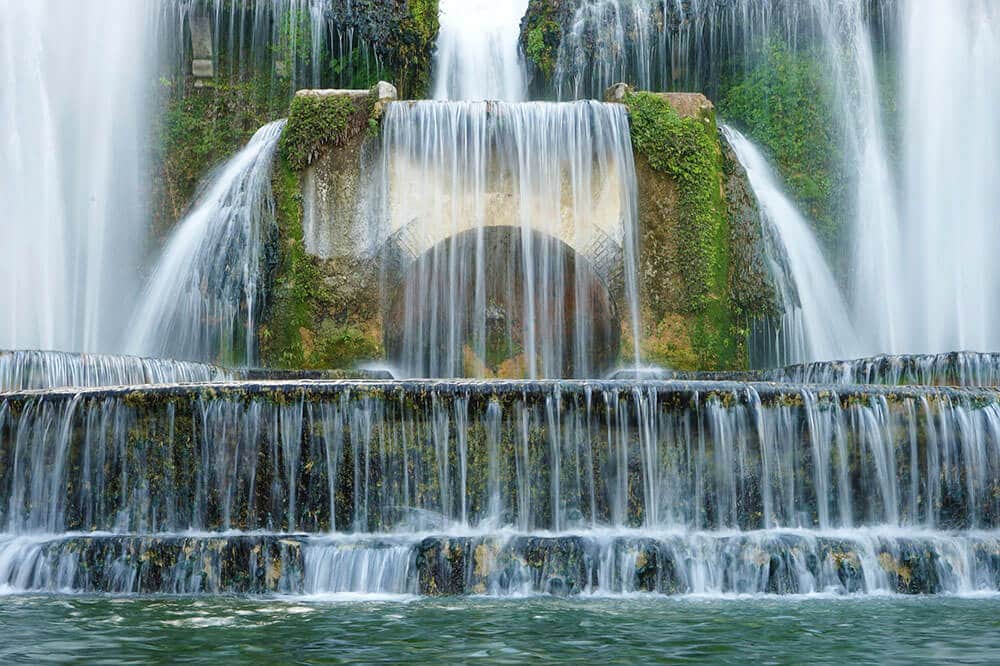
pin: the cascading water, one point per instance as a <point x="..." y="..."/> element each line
<point x="202" y="300"/>
<point x="294" y="43"/>
<point x="502" y="487"/>
<point x="31" y="370"/>
<point x="921" y="278"/>
<point x="949" y="281"/>
<point x="514" y="226"/>
<point x="72" y="118"/>
<point x="478" y="56"/>
<point x="815" y="324"/>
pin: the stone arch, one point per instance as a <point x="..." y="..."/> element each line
<point x="476" y="303"/>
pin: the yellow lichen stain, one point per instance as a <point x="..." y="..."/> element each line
<point x="840" y="558"/>
<point x="274" y="572"/>
<point x="308" y="339"/>
<point x="889" y="564"/>
<point x="484" y="560"/>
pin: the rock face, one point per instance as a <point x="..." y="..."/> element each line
<point x="701" y="272"/>
<point x="325" y="310"/>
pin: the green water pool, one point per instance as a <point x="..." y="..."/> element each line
<point x="610" y="630"/>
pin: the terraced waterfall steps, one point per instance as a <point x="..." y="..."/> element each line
<point x="500" y="487"/>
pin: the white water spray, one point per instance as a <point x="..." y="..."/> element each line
<point x="73" y="181"/>
<point x="816" y="324"/>
<point x="478" y="56"/>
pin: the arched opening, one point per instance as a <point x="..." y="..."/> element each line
<point x="499" y="301"/>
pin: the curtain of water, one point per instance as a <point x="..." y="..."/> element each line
<point x="949" y="280"/>
<point x="73" y="121"/>
<point x="202" y="300"/>
<point x="515" y="224"/>
<point x="530" y="456"/>
<point x="816" y="323"/>
<point x="478" y="56"/>
<point x="30" y="370"/>
<point x="304" y="43"/>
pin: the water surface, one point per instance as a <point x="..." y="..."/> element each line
<point x="611" y="630"/>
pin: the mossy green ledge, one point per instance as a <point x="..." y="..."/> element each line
<point x="324" y="309"/>
<point x="694" y="295"/>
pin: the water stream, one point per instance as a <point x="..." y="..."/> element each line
<point x="203" y="298"/>
<point x="542" y="193"/>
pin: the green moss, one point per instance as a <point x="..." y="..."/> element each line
<point x="542" y="37"/>
<point x="784" y="103"/>
<point x="313" y="122"/>
<point x="687" y="150"/>
<point x="293" y="289"/>
<point x="297" y="331"/>
<point x="412" y="43"/>
<point x="200" y="128"/>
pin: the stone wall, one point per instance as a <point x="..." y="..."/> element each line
<point x="325" y="307"/>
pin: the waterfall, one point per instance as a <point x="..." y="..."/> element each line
<point x="294" y="43"/>
<point x="478" y="55"/>
<point x="569" y="487"/>
<point x="514" y="232"/>
<point x="815" y="324"/>
<point x="202" y="300"/>
<point x="876" y="280"/>
<point x="554" y="455"/>
<point x="74" y="180"/>
<point x="32" y="370"/>
<point x="950" y="89"/>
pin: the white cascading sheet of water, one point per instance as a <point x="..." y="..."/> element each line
<point x="876" y="282"/>
<point x="202" y="299"/>
<point x="949" y="278"/>
<point x="816" y="324"/>
<point x="73" y="182"/>
<point x="562" y="178"/>
<point x="478" y="56"/>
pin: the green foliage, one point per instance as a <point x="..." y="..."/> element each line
<point x="201" y="128"/>
<point x="784" y="104"/>
<point x="687" y="150"/>
<point x="313" y="122"/>
<point x="543" y="35"/>
<point x="412" y="45"/>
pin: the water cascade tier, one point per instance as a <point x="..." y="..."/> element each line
<point x="371" y="456"/>
<point x="469" y="192"/>
<point x="25" y="370"/>
<point x="762" y="562"/>
<point x="450" y="487"/>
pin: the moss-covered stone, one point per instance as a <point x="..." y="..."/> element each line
<point x="314" y="121"/>
<point x="688" y="318"/>
<point x="322" y="312"/>
<point x="541" y="34"/>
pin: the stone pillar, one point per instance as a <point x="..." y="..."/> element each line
<point x="202" y="61"/>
